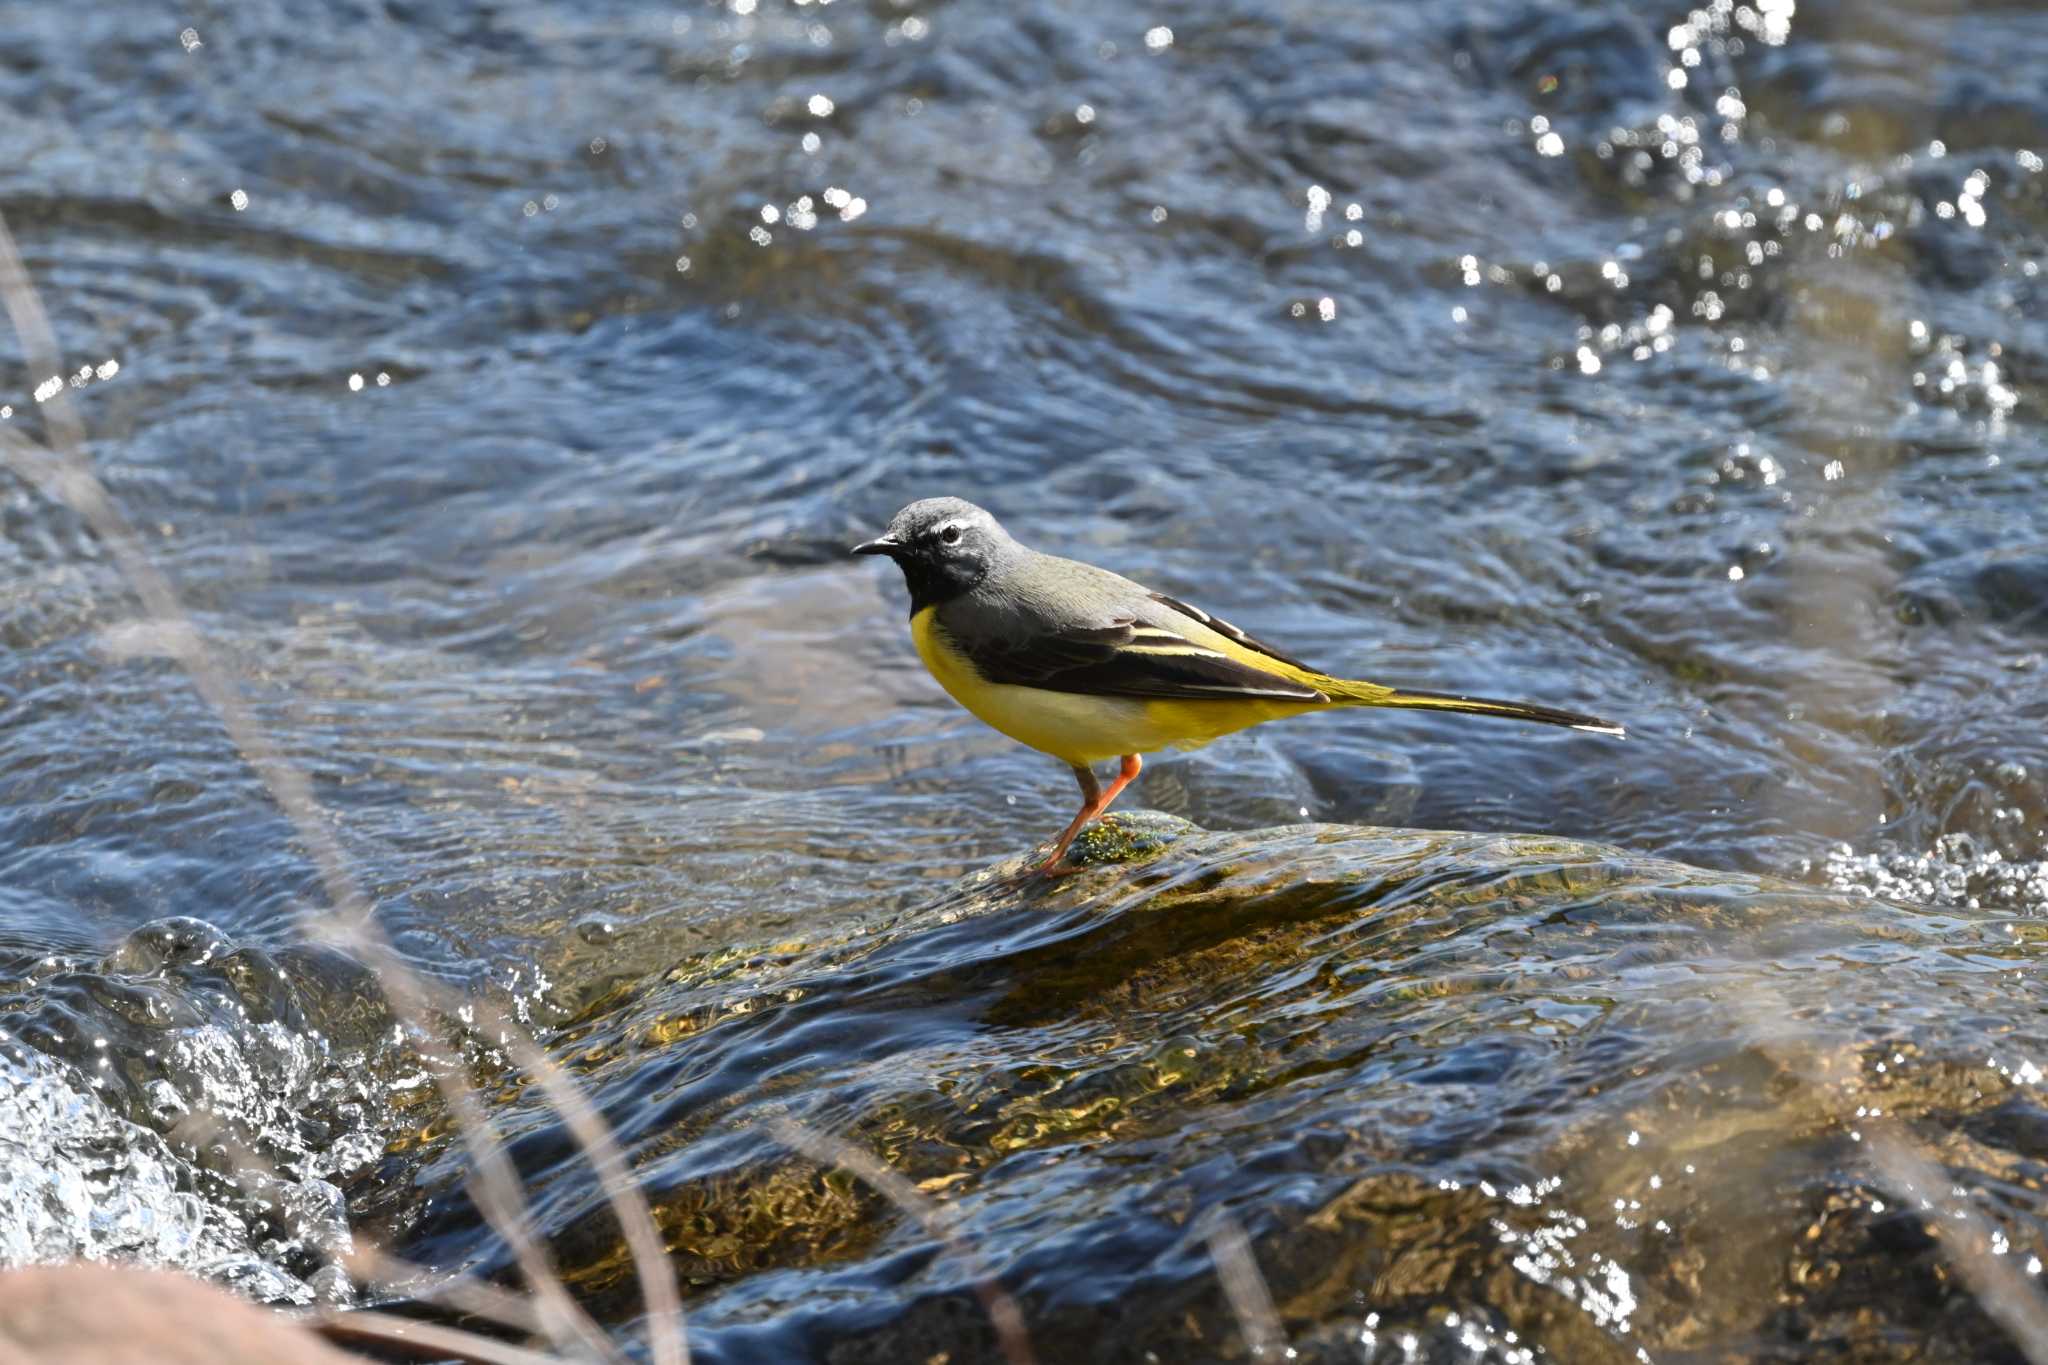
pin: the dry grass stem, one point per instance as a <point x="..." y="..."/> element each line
<point x="2007" y="1297"/>
<point x="1003" y="1313"/>
<point x="369" y="1264"/>
<point x="390" y="1333"/>
<point x="464" y="1293"/>
<point x="667" y="1336"/>
<point x="64" y="473"/>
<point x="1965" y="1241"/>
<point x="494" y="1185"/>
<point x="1251" y="1302"/>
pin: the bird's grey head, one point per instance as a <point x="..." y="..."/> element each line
<point x="944" y="546"/>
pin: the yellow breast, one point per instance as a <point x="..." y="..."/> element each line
<point x="1074" y="727"/>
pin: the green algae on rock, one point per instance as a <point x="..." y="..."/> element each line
<point x="1126" y="838"/>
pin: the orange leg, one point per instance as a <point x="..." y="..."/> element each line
<point x="1094" y="801"/>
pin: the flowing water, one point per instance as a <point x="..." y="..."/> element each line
<point x="501" y="384"/>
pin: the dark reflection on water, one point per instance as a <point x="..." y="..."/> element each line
<point x="501" y="385"/>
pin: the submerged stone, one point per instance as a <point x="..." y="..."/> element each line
<point x="1468" y="1092"/>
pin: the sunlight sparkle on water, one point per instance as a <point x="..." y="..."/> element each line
<point x="850" y="206"/>
<point x="1318" y="205"/>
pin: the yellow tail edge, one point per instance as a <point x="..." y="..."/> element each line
<point x="1373" y="694"/>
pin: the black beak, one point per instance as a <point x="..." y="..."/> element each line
<point x="880" y="545"/>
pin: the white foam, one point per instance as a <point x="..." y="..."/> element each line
<point x="1956" y="872"/>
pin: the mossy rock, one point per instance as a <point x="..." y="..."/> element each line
<point x="1455" y="1087"/>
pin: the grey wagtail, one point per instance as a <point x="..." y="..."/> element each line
<point x="1087" y="666"/>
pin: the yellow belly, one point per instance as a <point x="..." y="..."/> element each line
<point x="1081" y="729"/>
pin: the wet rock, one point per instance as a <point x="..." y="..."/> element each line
<point x="1128" y="838"/>
<point x="117" y="1315"/>
<point x="2008" y="586"/>
<point x="1465" y="1092"/>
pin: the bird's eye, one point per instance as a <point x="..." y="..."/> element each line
<point x="950" y="534"/>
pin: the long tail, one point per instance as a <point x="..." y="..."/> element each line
<point x="1343" y="690"/>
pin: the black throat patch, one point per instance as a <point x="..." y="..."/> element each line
<point x="931" y="583"/>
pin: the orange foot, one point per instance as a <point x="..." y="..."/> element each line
<point x="1094" y="801"/>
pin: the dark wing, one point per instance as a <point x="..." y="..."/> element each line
<point x="1126" y="658"/>
<point x="1223" y="627"/>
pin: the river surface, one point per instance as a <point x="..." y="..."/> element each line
<point x="502" y="383"/>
